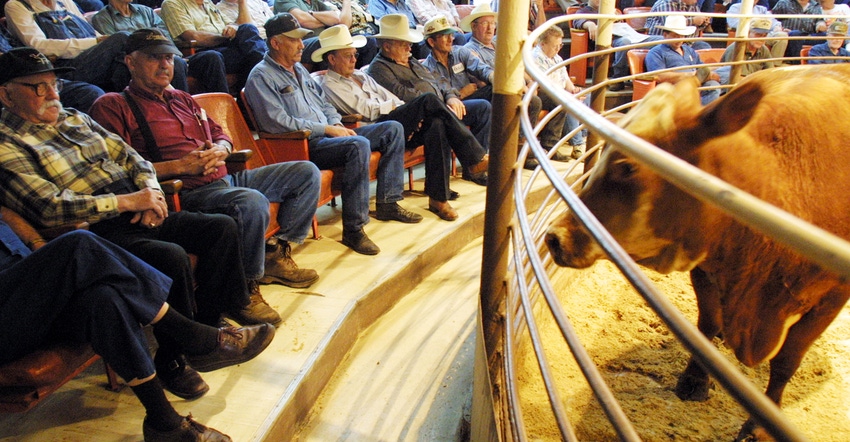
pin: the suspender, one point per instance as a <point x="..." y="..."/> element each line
<point x="147" y="133"/>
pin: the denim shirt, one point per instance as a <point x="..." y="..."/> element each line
<point x="463" y="64"/>
<point x="12" y="249"/>
<point x="285" y="102"/>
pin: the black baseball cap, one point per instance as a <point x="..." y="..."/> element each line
<point x="25" y="61"/>
<point x="284" y="23"/>
<point x="151" y="42"/>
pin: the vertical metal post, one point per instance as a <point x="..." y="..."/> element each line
<point x="741" y="32"/>
<point x="604" y="37"/>
<point x="507" y="88"/>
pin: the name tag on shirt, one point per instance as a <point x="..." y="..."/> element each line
<point x="458" y="68"/>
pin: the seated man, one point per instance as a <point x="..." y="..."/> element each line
<point x="90" y="290"/>
<point x="426" y="119"/>
<point x="800" y="26"/>
<point x="58" y="30"/>
<point x="76" y="94"/>
<point x="179" y="148"/>
<point x="94" y="176"/>
<point x="833" y="46"/>
<point x="774" y="42"/>
<point x="285" y="98"/>
<point x="697" y="22"/>
<point x="239" y="46"/>
<point x="676" y="53"/>
<point x="756" y="50"/>
<point x="456" y="66"/>
<point x="407" y="78"/>
<point x="620" y="67"/>
<point x="205" y="66"/>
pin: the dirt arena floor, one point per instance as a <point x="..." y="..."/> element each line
<point x="641" y="360"/>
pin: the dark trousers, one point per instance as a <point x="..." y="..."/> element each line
<point x="213" y="238"/>
<point x="244" y="51"/>
<point x="80" y="287"/>
<point x="440" y="132"/>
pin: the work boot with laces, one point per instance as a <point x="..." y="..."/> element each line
<point x="280" y="268"/>
<point x="258" y="311"/>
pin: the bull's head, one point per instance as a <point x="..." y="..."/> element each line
<point x="655" y="222"/>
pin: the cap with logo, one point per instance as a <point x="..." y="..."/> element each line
<point x="25" y="61"/>
<point x="151" y="42"/>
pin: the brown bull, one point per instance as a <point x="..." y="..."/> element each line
<point x="782" y="135"/>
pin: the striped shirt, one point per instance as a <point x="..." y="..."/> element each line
<point x="804" y="25"/>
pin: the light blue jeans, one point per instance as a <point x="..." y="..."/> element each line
<point x="245" y="197"/>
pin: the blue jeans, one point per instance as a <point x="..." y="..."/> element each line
<point x="353" y="154"/>
<point x="79" y="95"/>
<point x="88" y="289"/>
<point x="560" y="124"/>
<point x="244" y="51"/>
<point x="708" y="96"/>
<point x="478" y="119"/>
<point x="245" y="197"/>
<point x="98" y="64"/>
<point x="208" y="68"/>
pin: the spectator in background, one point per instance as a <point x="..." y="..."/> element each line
<point x="774" y="43"/>
<point x="800" y="26"/>
<point x="698" y="22"/>
<point x="76" y="94"/>
<point x="238" y="45"/>
<point x="426" y="119"/>
<point x="756" y="50"/>
<point x="833" y="46"/>
<point x="206" y="67"/>
<point x="676" y="53"/>
<point x="59" y="31"/>
<point x="546" y="56"/>
<point x="284" y="98"/>
<point x="482" y="23"/>
<point x="407" y="78"/>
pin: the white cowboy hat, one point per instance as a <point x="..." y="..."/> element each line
<point x="396" y="27"/>
<point x="481" y="10"/>
<point x="677" y="24"/>
<point x="439" y="25"/>
<point x="336" y="37"/>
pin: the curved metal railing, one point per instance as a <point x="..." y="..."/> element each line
<point x="531" y="263"/>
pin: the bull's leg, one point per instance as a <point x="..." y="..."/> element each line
<point x="694" y="383"/>
<point x="787" y="361"/>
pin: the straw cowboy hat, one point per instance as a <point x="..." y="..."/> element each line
<point x="396" y="27"/>
<point x="481" y="10"/>
<point x="439" y="25"/>
<point x="337" y="37"/>
<point x="677" y="24"/>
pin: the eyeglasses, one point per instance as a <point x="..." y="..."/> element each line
<point x="40" y="89"/>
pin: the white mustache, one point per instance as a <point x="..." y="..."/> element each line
<point x="48" y="104"/>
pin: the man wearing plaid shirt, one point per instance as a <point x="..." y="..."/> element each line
<point x="58" y="166"/>
<point x="670" y="6"/>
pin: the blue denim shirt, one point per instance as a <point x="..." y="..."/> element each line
<point x="822" y="50"/>
<point x="462" y="65"/>
<point x="380" y="8"/>
<point x="284" y="102"/>
<point x="12" y="249"/>
<point x="663" y="56"/>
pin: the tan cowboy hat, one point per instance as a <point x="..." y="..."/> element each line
<point x="439" y="25"/>
<point x="481" y="10"/>
<point x="336" y="37"/>
<point x="396" y="27"/>
<point x="677" y="24"/>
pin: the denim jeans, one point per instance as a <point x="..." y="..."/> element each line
<point x="560" y="124"/>
<point x="87" y="289"/>
<point x="478" y="119"/>
<point x="207" y="67"/>
<point x="98" y="64"/>
<point x="245" y="197"/>
<point x="79" y="95"/>
<point x="353" y="153"/>
<point x="244" y="51"/>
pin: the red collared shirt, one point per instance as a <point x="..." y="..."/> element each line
<point x="174" y="121"/>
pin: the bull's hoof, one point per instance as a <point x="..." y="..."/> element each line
<point x="692" y="388"/>
<point x="752" y="432"/>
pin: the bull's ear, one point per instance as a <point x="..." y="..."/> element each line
<point x="733" y="111"/>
